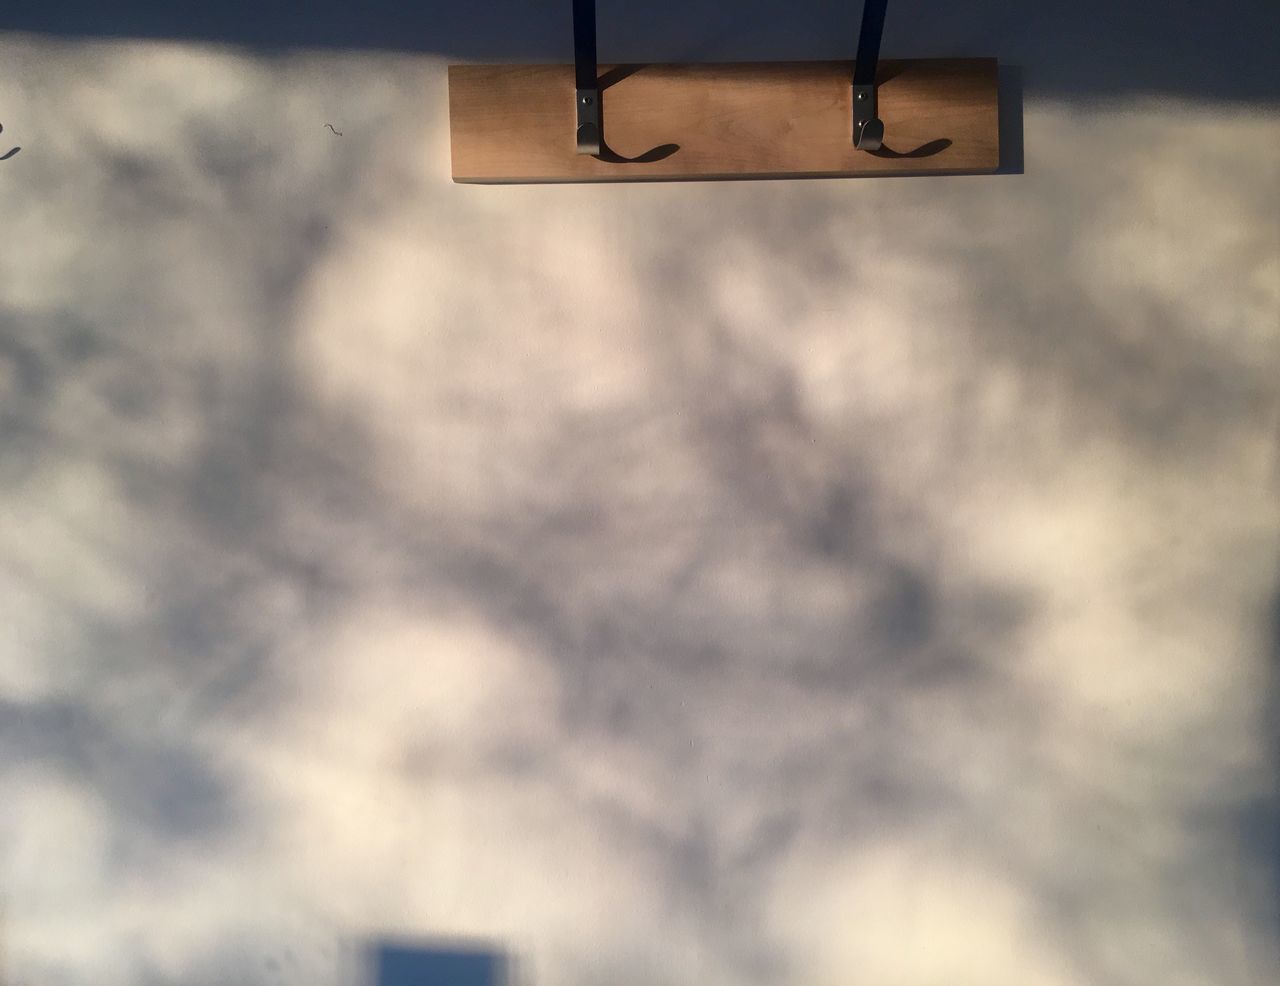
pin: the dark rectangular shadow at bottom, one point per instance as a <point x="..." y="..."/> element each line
<point x="1009" y="89"/>
<point x="438" y="964"/>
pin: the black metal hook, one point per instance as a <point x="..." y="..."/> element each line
<point x="589" y="87"/>
<point x="868" y="129"/>
<point x="587" y="96"/>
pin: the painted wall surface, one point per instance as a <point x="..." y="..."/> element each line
<point x="761" y="584"/>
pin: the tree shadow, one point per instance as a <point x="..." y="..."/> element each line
<point x="753" y="611"/>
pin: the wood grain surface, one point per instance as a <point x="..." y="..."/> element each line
<point x="515" y="123"/>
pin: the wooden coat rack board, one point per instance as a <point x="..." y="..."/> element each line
<point x="583" y="122"/>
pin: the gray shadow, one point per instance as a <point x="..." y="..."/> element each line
<point x="1009" y="87"/>
<point x="1261" y="837"/>
<point x="1089" y="48"/>
<point x="924" y="150"/>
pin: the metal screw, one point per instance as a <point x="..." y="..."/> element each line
<point x="586" y="100"/>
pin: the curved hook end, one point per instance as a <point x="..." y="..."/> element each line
<point x="589" y="139"/>
<point x="870" y="135"/>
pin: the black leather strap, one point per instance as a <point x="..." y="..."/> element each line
<point x="868" y="131"/>
<point x="864" y="70"/>
<point x="587" y="84"/>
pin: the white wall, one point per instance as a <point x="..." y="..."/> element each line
<point x="764" y="583"/>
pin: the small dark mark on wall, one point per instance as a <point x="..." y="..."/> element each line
<point x="10" y="153"/>
<point x="330" y="126"/>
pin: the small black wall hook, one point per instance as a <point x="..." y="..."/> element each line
<point x="587" y="84"/>
<point x="589" y="88"/>
<point x="868" y="130"/>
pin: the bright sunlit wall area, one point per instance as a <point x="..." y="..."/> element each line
<point x="760" y="584"/>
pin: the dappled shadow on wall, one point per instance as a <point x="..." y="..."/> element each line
<point x="438" y="963"/>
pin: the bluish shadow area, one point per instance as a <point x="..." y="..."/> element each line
<point x="1081" y="48"/>
<point x="438" y="964"/>
<point x="1010" y="110"/>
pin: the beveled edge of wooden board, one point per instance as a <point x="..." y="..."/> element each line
<point x="670" y="179"/>
<point x="993" y="64"/>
